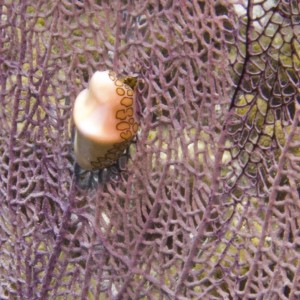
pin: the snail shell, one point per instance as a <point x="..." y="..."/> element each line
<point x="105" y="121"/>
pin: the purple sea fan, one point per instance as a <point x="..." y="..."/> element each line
<point x="207" y="206"/>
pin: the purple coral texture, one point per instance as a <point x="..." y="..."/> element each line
<point x="207" y="205"/>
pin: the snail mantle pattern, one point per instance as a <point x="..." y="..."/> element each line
<point x="105" y="121"/>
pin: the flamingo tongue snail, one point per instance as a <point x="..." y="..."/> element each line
<point x="105" y="120"/>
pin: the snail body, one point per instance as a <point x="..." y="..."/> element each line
<point x="105" y="121"/>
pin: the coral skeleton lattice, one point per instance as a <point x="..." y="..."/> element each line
<point x="207" y="206"/>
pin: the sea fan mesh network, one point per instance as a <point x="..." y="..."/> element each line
<point x="207" y="206"/>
